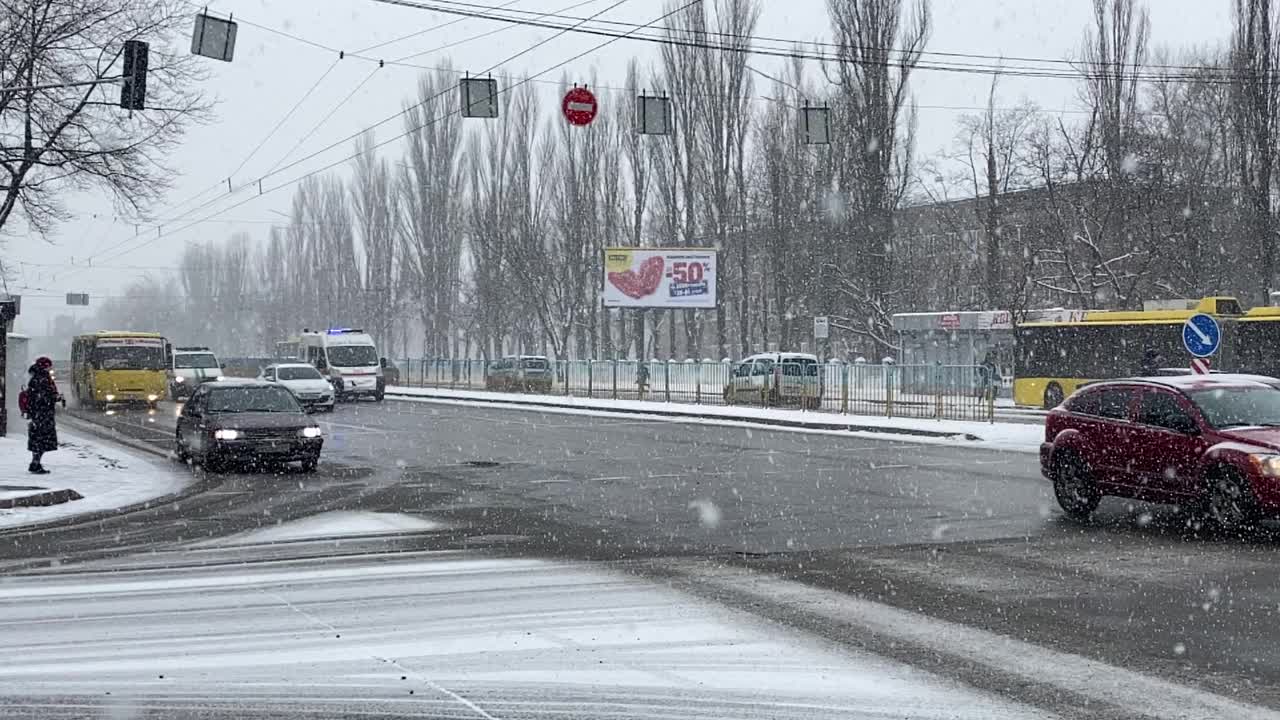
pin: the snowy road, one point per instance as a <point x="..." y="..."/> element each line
<point x="431" y="635"/>
<point x="960" y="535"/>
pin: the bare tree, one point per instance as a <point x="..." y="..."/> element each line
<point x="641" y="171"/>
<point x="1256" y="105"/>
<point x="721" y="125"/>
<point x="988" y="150"/>
<point x="877" y="47"/>
<point x="430" y="233"/>
<point x="374" y="202"/>
<point x="59" y="139"/>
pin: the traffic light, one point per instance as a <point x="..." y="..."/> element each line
<point x="133" y="85"/>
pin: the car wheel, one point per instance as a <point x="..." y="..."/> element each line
<point x="1075" y="490"/>
<point x="1053" y="396"/>
<point x="180" y="450"/>
<point x="309" y="464"/>
<point x="1229" y="501"/>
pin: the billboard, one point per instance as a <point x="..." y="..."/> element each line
<point x="659" y="277"/>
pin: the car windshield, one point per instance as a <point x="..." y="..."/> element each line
<point x="535" y="364"/>
<point x="195" y="360"/>
<point x="298" y="372"/>
<point x="251" y="399"/>
<point x="128" y="357"/>
<point x="353" y="356"/>
<point x="1239" y="406"/>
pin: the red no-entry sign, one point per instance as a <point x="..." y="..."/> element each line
<point x="579" y="106"/>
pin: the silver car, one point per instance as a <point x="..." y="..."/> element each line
<point x="306" y="383"/>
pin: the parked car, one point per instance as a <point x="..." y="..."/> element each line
<point x="776" y="379"/>
<point x="248" y="421"/>
<point x="520" y="373"/>
<point x="1208" y="442"/>
<point x="306" y="383"/>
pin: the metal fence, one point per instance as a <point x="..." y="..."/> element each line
<point x="953" y="392"/>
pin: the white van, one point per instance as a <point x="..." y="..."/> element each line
<point x="776" y="379"/>
<point x="349" y="359"/>
<point x="189" y="367"/>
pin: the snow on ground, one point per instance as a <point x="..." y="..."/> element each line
<point x="466" y="636"/>
<point x="1018" y="437"/>
<point x="336" y="524"/>
<point x="107" y="475"/>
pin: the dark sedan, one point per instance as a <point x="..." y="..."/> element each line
<point x="247" y="421"/>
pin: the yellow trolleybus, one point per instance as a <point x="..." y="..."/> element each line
<point x="1053" y="359"/>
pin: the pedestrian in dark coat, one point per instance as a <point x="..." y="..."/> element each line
<point x="42" y="428"/>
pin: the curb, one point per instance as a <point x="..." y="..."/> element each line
<point x="41" y="499"/>
<point x="201" y="484"/>
<point x="770" y="422"/>
<point x="89" y="428"/>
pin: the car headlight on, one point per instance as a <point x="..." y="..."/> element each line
<point x="152" y="397"/>
<point x="179" y="379"/>
<point x="110" y="397"/>
<point x="226" y="434"/>
<point x="220" y="378"/>
<point x="311" y="432"/>
<point x="1267" y="463"/>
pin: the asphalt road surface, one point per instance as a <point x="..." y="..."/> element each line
<point x="956" y="534"/>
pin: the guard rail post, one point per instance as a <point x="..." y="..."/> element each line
<point x="697" y="382"/>
<point x="937" y="400"/>
<point x="888" y="391"/>
<point x="666" y="379"/>
<point x="591" y="375"/>
<point x="615" y="378"/>
<point x="844" y="389"/>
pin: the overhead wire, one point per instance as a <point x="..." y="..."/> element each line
<point x="635" y="34"/>
<point x="321" y="46"/>
<point x="280" y="123"/>
<point x="401" y="62"/>
<point x="1075" y="71"/>
<point x="521" y="53"/>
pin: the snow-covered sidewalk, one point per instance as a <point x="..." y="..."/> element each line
<point x="1018" y="437"/>
<point x="105" y="476"/>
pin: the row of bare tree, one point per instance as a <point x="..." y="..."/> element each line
<point x="487" y="238"/>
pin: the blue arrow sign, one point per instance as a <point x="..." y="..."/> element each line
<point x="1201" y="335"/>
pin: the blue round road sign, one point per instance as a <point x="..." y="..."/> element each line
<point x="1201" y="335"/>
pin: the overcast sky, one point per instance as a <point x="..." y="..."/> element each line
<point x="271" y="73"/>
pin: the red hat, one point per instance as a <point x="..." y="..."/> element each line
<point x="44" y="362"/>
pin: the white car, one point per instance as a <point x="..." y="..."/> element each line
<point x="306" y="383"/>
<point x="776" y="378"/>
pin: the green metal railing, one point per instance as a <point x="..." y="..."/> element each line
<point x="951" y="392"/>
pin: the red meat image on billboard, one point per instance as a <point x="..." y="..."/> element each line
<point x="659" y="277"/>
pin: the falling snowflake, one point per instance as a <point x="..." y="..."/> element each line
<point x="1129" y="165"/>
<point x="708" y="513"/>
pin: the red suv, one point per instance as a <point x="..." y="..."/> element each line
<point x="1208" y="442"/>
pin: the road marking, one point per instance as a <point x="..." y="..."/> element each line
<point x="1080" y="675"/>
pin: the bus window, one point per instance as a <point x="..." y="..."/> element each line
<point x="128" y="357"/>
